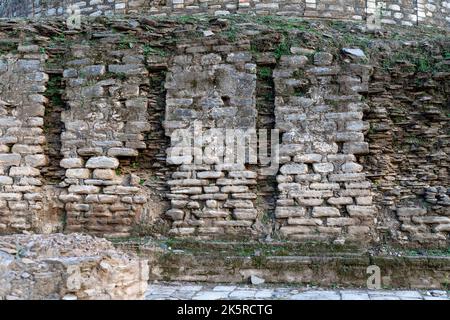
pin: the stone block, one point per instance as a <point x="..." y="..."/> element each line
<point x="102" y="163"/>
<point x="325" y="212"/>
<point x="36" y="160"/>
<point x="10" y="159"/>
<point x="287" y="212"/>
<point x="69" y="163"/>
<point x="411" y="211"/>
<point x="323" y="167"/>
<point x="175" y="214"/>
<point x="289" y="230"/>
<point x="83" y="189"/>
<point x="104" y="174"/>
<point x="294" y="168"/>
<point x="210" y="174"/>
<point x="356" y="147"/>
<point x="122" y="152"/>
<point x="245" y="214"/>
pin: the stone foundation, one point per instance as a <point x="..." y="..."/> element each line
<point x="305" y="264"/>
<point x="68" y="267"/>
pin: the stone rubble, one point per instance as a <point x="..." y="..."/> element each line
<point x="68" y="267"/>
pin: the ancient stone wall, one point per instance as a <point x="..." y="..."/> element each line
<point x="22" y="104"/>
<point x="215" y="85"/>
<point x="323" y="192"/>
<point x="363" y="123"/>
<point x="402" y="12"/>
<point x="106" y="119"/>
<point x="399" y="12"/>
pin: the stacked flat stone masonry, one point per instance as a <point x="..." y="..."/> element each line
<point x="349" y="136"/>
<point x="397" y="12"/>
<point x="106" y="120"/>
<point x="22" y="84"/>
<point x="409" y="146"/>
<point x="402" y="12"/>
<point x="211" y="85"/>
<point x="323" y="191"/>
<point x="437" y="11"/>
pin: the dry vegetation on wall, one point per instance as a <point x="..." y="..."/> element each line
<point x="87" y="151"/>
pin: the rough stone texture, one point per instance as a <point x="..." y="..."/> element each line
<point x="408" y="160"/>
<point x="289" y="262"/>
<point x="405" y="13"/>
<point x="106" y="120"/>
<point x="217" y="88"/>
<point x="22" y="85"/>
<point x="85" y="119"/>
<point x="68" y="267"/>
<point x="315" y="104"/>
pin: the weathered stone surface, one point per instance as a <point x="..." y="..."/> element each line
<point x="76" y="267"/>
<point x="294" y="169"/>
<point x="365" y="134"/>
<point x="36" y="160"/>
<point x="78" y="173"/>
<point x="122" y="152"/>
<point x="358" y="211"/>
<point x="323" y="167"/>
<point x="411" y="211"/>
<point x="69" y="163"/>
<point x="285" y="212"/>
<point x="8" y="159"/>
<point x="83" y="189"/>
<point x="24" y="171"/>
<point x="323" y="59"/>
<point x="354" y="52"/>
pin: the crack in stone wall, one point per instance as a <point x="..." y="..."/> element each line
<point x="265" y="121"/>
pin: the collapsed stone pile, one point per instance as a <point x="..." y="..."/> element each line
<point x="68" y="267"/>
